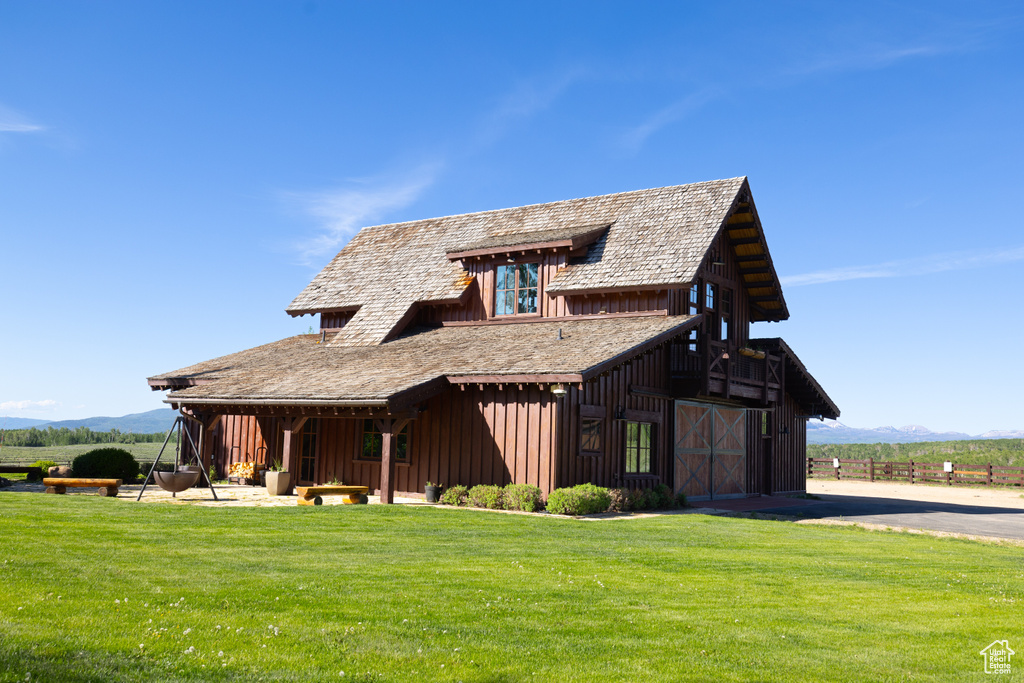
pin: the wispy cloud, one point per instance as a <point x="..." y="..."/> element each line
<point x="343" y="211"/>
<point x="925" y="265"/>
<point x="525" y="100"/>
<point x="30" y="406"/>
<point x="13" y="122"/>
<point x="635" y="138"/>
<point x="866" y="58"/>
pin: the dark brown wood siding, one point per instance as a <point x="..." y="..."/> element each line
<point x="789" y="459"/>
<point x="631" y="387"/>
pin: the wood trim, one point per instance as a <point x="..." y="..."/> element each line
<point x="654" y="417"/>
<point x="526" y="318"/>
<point x="515" y="379"/>
<point x="572" y="243"/>
<point x="593" y="411"/>
<point x="650" y="392"/>
<point x="176" y="383"/>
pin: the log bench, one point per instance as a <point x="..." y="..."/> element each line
<point x="313" y="495"/>
<point x="34" y="473"/>
<point x="107" y="487"/>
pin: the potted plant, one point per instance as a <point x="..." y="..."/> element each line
<point x="433" y="492"/>
<point x="278" y="480"/>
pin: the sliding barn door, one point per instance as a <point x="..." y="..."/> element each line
<point x="710" y="451"/>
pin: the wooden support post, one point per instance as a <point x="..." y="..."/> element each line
<point x="871" y="469"/>
<point x="910" y="471"/>
<point x="389" y="430"/>
<point x="290" y="447"/>
<point x="989" y="469"/>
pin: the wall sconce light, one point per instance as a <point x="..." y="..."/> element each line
<point x="559" y="390"/>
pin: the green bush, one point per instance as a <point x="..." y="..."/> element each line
<point x="681" y="500"/>
<point x="44" y="465"/>
<point x="454" y="495"/>
<point x="658" y="498"/>
<point x="106" y="463"/>
<point x="487" y="496"/>
<point x="525" y="497"/>
<point x="585" y="499"/>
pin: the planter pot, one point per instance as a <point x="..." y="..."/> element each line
<point x="176" y="481"/>
<point x="278" y="483"/>
<point x="433" y="494"/>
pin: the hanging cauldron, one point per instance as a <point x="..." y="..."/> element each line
<point x="184" y="477"/>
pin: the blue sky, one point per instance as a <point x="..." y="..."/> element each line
<point x="173" y="173"/>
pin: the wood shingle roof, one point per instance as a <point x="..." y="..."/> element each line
<point x="300" y="370"/>
<point x="657" y="237"/>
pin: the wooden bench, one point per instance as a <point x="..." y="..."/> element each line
<point x="34" y="473"/>
<point x="107" y="487"/>
<point x="312" y="495"/>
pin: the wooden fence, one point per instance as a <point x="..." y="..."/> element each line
<point x="953" y="474"/>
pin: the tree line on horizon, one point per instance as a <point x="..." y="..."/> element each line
<point x="1007" y="452"/>
<point x="63" y="436"/>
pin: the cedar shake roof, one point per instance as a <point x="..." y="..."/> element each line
<point x="800" y="384"/>
<point x="656" y="237"/>
<point x="299" y="370"/>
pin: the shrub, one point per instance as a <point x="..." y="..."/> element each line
<point x="618" y="500"/>
<point x="525" y="497"/>
<point x="454" y="495"/>
<point x="487" y="496"/>
<point x="44" y="465"/>
<point x="584" y="499"/>
<point x="662" y="498"/>
<point x="658" y="498"/>
<point x="681" y="500"/>
<point x="106" y="463"/>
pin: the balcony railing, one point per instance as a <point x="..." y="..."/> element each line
<point x="724" y="369"/>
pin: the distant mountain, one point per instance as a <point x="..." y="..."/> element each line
<point x="159" y="420"/>
<point x="831" y="431"/>
<point x="19" y="423"/>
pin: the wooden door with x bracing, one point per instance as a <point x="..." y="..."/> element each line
<point x="710" y="451"/>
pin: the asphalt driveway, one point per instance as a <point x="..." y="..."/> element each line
<point x="1001" y="522"/>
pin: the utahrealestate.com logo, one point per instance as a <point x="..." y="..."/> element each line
<point x="997" y="657"/>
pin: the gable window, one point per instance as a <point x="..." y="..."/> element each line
<point x="639" y="448"/>
<point x="516" y="289"/>
<point x="373" y="443"/>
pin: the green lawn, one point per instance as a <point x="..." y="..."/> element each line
<point x="104" y="590"/>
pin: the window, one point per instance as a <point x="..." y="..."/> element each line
<point x="639" y="447"/>
<point x="694" y="304"/>
<point x="516" y="289"/>
<point x="590" y="436"/>
<point x="726" y="304"/>
<point x="709" y="296"/>
<point x="373" y="443"/>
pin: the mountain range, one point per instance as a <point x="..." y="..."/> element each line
<point x="832" y="431"/>
<point x="828" y="431"/>
<point x="159" y="420"/>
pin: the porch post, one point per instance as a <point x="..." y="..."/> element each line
<point x="206" y="441"/>
<point x="389" y="430"/>
<point x="290" y="447"/>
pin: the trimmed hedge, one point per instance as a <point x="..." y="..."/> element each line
<point x="584" y="499"/>
<point x="454" y="495"/>
<point x="658" y="498"/>
<point x="106" y="463"/>
<point x="524" y="497"/>
<point x="487" y="496"/>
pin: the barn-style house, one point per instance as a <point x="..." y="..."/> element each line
<point x="601" y="340"/>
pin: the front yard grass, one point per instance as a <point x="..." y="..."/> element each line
<point x="104" y="590"/>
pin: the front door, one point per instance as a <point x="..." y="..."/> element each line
<point x="710" y="451"/>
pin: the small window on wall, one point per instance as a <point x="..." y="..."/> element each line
<point x="591" y="437"/>
<point x="691" y="340"/>
<point x="516" y="289"/>
<point x="639" y="448"/>
<point x="373" y="443"/>
<point x="693" y="305"/>
<point x="709" y="296"/>
<point x="725" y="329"/>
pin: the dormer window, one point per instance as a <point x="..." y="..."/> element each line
<point x="516" y="289"/>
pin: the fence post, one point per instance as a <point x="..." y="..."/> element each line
<point x="871" y="469"/>
<point x="911" y="471"/>
<point x="989" y="468"/>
